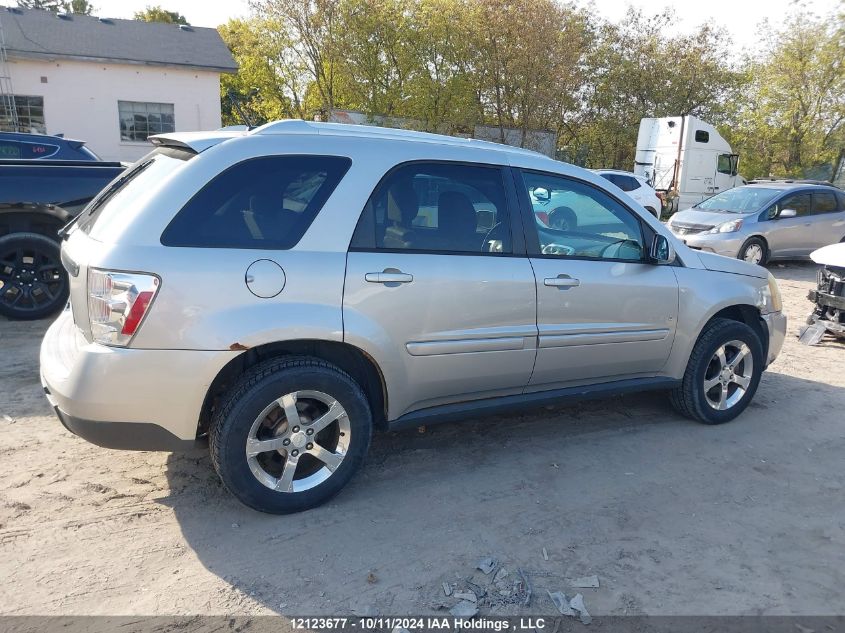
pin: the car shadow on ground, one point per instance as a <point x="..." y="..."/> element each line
<point x="623" y="487"/>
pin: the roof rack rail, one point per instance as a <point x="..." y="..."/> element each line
<point x="796" y="181"/>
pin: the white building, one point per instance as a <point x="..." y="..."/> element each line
<point x="109" y="82"/>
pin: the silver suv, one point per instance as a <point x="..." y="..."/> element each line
<point x="285" y="291"/>
<point x="765" y="220"/>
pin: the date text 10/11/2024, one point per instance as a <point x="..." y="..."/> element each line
<point x="434" y="623"/>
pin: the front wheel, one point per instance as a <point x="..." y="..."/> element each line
<point x="754" y="251"/>
<point x="722" y="374"/>
<point x="33" y="283"/>
<point x="290" y="434"/>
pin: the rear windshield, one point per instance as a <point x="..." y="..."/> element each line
<point x="739" y="200"/>
<point x="108" y="210"/>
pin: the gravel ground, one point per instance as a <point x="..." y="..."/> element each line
<point x="675" y="518"/>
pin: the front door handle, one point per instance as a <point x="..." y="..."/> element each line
<point x="389" y="277"/>
<point x="562" y="281"/>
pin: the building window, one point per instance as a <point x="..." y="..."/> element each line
<point x="138" y="120"/>
<point x="30" y="113"/>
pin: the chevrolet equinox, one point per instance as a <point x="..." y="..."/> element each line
<point x="287" y="290"/>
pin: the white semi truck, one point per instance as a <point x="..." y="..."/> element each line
<point x="685" y="159"/>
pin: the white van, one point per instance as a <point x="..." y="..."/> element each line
<point x="685" y="158"/>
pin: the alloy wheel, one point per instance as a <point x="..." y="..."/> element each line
<point x="728" y="375"/>
<point x="29" y="279"/>
<point x="298" y="441"/>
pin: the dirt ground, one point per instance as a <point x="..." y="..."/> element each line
<point x="675" y="518"/>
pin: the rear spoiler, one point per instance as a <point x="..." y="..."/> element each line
<point x="195" y="141"/>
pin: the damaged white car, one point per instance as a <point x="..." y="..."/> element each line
<point x="829" y="296"/>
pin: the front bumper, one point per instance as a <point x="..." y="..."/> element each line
<point x="126" y="398"/>
<point x="727" y="244"/>
<point x="776" y="326"/>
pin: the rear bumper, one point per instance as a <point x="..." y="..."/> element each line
<point x="776" y="326"/>
<point x="134" y="436"/>
<point x="126" y="398"/>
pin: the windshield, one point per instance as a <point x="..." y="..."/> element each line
<point x="109" y="209"/>
<point x="739" y="200"/>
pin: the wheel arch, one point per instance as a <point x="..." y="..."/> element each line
<point x="353" y="360"/>
<point x="26" y="218"/>
<point x="750" y="316"/>
<point x="757" y="236"/>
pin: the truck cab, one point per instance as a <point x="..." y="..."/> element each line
<point x="685" y="158"/>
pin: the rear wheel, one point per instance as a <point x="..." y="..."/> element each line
<point x="754" y="251"/>
<point x="33" y="283"/>
<point x="290" y="434"/>
<point x="722" y="374"/>
<point x="653" y="211"/>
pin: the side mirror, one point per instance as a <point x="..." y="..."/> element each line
<point x="661" y="251"/>
<point x="788" y="213"/>
<point x="541" y="194"/>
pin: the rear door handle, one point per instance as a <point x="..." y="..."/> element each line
<point x="562" y="281"/>
<point x="389" y="278"/>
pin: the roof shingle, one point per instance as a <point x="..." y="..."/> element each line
<point x="36" y="33"/>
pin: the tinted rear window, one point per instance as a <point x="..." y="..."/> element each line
<point x="265" y="203"/>
<point x="824" y="202"/>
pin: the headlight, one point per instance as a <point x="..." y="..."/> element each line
<point x="727" y="227"/>
<point x="769" y="299"/>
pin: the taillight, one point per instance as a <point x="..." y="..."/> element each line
<point x="117" y="303"/>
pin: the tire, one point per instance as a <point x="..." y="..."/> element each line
<point x="653" y="211"/>
<point x="692" y="399"/>
<point x="754" y="245"/>
<point x="254" y="396"/>
<point x="33" y="282"/>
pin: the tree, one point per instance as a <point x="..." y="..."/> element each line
<point x="311" y="28"/>
<point x="79" y="7"/>
<point x="527" y="56"/>
<point x="792" y="119"/>
<point x="159" y="14"/>
<point x="635" y="71"/>
<point x="49" y="5"/>
<point x="268" y="84"/>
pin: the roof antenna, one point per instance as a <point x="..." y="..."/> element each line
<point x="235" y="101"/>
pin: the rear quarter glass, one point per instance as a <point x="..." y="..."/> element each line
<point x="262" y="203"/>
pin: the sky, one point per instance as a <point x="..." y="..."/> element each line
<point x="740" y="17"/>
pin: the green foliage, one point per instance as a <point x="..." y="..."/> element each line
<point x="791" y="119"/>
<point x="447" y="65"/>
<point x="49" y="5"/>
<point x="79" y="7"/>
<point x="160" y="14"/>
<point x="636" y="72"/>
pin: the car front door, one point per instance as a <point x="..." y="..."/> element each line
<point x="439" y="288"/>
<point x="603" y="311"/>
<point x="789" y="236"/>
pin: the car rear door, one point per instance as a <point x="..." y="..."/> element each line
<point x="603" y="311"/>
<point x="438" y="286"/>
<point x="828" y="219"/>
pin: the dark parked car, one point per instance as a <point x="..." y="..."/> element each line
<point x="40" y="147"/>
<point x="37" y="198"/>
